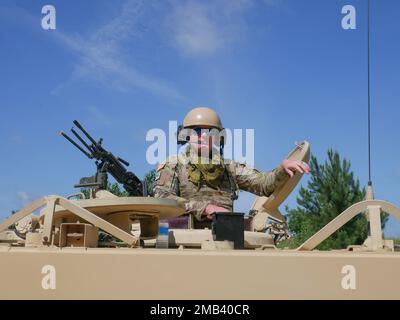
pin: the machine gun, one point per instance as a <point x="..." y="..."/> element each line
<point x="106" y="163"/>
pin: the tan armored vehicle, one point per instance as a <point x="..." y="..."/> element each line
<point x="108" y="247"/>
<point x="55" y="252"/>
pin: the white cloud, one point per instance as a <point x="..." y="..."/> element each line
<point x="99" y="117"/>
<point x="24" y="197"/>
<point x="200" y="28"/>
<point x="102" y="55"/>
<point x="10" y="202"/>
<point x="16" y="139"/>
<point x="273" y="3"/>
<point x="194" y="30"/>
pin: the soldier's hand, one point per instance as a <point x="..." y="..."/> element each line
<point x="211" y="209"/>
<point x="291" y="166"/>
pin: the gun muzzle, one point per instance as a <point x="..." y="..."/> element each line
<point x="75" y="144"/>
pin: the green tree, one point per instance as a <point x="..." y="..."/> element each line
<point x="115" y="188"/>
<point x="332" y="188"/>
<point x="150" y="179"/>
<point x="396" y="244"/>
<point x="12" y="227"/>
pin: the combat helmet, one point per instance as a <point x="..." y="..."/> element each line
<point x="202" y="116"/>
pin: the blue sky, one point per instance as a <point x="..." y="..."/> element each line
<point x="285" y="68"/>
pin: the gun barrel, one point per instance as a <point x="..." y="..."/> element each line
<point x="76" y="145"/>
<point x="123" y="161"/>
<point x="78" y="125"/>
<point x="106" y="163"/>
<point x="81" y="140"/>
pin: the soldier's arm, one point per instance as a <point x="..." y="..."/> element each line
<point x="167" y="186"/>
<point x="260" y="183"/>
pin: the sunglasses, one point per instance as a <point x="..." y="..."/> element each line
<point x="184" y="134"/>
<point x="199" y="131"/>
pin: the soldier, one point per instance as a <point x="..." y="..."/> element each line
<point x="205" y="182"/>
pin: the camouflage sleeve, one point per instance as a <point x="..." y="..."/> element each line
<point x="259" y="183"/>
<point x="167" y="186"/>
<point x="197" y="208"/>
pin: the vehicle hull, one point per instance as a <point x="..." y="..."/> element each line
<point x="182" y="274"/>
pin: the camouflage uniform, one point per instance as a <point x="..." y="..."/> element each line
<point x="172" y="182"/>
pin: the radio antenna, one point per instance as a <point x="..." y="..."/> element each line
<point x="370" y="194"/>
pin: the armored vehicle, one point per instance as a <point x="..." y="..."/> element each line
<point x="55" y="251"/>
